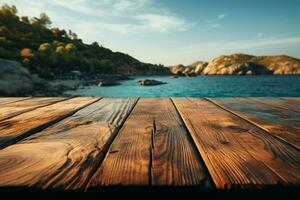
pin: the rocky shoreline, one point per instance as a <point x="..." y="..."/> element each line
<point x="16" y="81"/>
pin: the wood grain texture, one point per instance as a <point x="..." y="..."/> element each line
<point x="66" y="154"/>
<point x="16" y="108"/>
<point x="152" y="147"/>
<point x="25" y="124"/>
<point x="236" y="153"/>
<point x="7" y="100"/>
<point x="279" y="103"/>
<point x="281" y="122"/>
<point x="292" y="100"/>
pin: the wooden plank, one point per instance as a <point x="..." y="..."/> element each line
<point x="282" y="123"/>
<point x="25" y="124"/>
<point x="236" y="153"/>
<point x="279" y="103"/>
<point x="7" y="100"/>
<point x="66" y="154"/>
<point x="16" y="108"/>
<point x="293" y="100"/>
<point x="152" y="147"/>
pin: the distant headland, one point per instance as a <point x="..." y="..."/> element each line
<point x="241" y="64"/>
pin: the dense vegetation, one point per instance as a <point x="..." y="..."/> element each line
<point x="51" y="51"/>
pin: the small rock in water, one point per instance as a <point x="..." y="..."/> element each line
<point x="108" y="83"/>
<point x="148" y="82"/>
<point x="174" y="77"/>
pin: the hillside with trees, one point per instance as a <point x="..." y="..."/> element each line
<point x="50" y="51"/>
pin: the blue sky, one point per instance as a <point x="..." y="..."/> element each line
<point x="177" y="31"/>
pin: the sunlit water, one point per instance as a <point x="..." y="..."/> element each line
<point x="202" y="86"/>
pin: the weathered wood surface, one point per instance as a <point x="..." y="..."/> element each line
<point x="292" y="100"/>
<point x="7" y="100"/>
<point x="16" y="108"/>
<point x="152" y="148"/>
<point x="20" y="126"/>
<point x="236" y="153"/>
<point x="66" y="154"/>
<point x="86" y="143"/>
<point x="282" y="122"/>
<point x="281" y="103"/>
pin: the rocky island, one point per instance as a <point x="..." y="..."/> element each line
<point x="149" y="82"/>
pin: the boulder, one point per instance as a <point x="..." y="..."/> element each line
<point x="189" y="72"/>
<point x="15" y="80"/>
<point x="249" y="72"/>
<point x="198" y="66"/>
<point x="149" y="82"/>
<point x="39" y="83"/>
<point x="177" y="70"/>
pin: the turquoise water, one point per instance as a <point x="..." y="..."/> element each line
<point x="202" y="86"/>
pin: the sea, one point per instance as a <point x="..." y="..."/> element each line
<point x="201" y="86"/>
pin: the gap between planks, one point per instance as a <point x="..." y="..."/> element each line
<point x="151" y="148"/>
<point x="236" y="153"/>
<point x="74" y="147"/>
<point x="8" y="100"/>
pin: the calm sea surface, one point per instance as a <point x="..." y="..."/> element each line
<point x="202" y="86"/>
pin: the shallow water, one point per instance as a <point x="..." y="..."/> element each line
<point x="202" y="86"/>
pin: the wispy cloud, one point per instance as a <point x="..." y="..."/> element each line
<point x="118" y="16"/>
<point x="142" y="24"/>
<point x="162" y="23"/>
<point x="240" y="45"/>
<point x="215" y="25"/>
<point x="122" y="5"/>
<point x="214" y="20"/>
<point x="259" y="35"/>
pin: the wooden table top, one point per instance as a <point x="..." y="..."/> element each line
<point x="88" y="142"/>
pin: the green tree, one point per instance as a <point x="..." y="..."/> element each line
<point x="25" y="20"/>
<point x="3" y="41"/>
<point x="4" y="30"/>
<point x="60" y="50"/>
<point x="7" y="12"/>
<point x="45" y="49"/>
<point x="43" y="21"/>
<point x="70" y="48"/>
<point x="58" y="43"/>
<point x="45" y="57"/>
